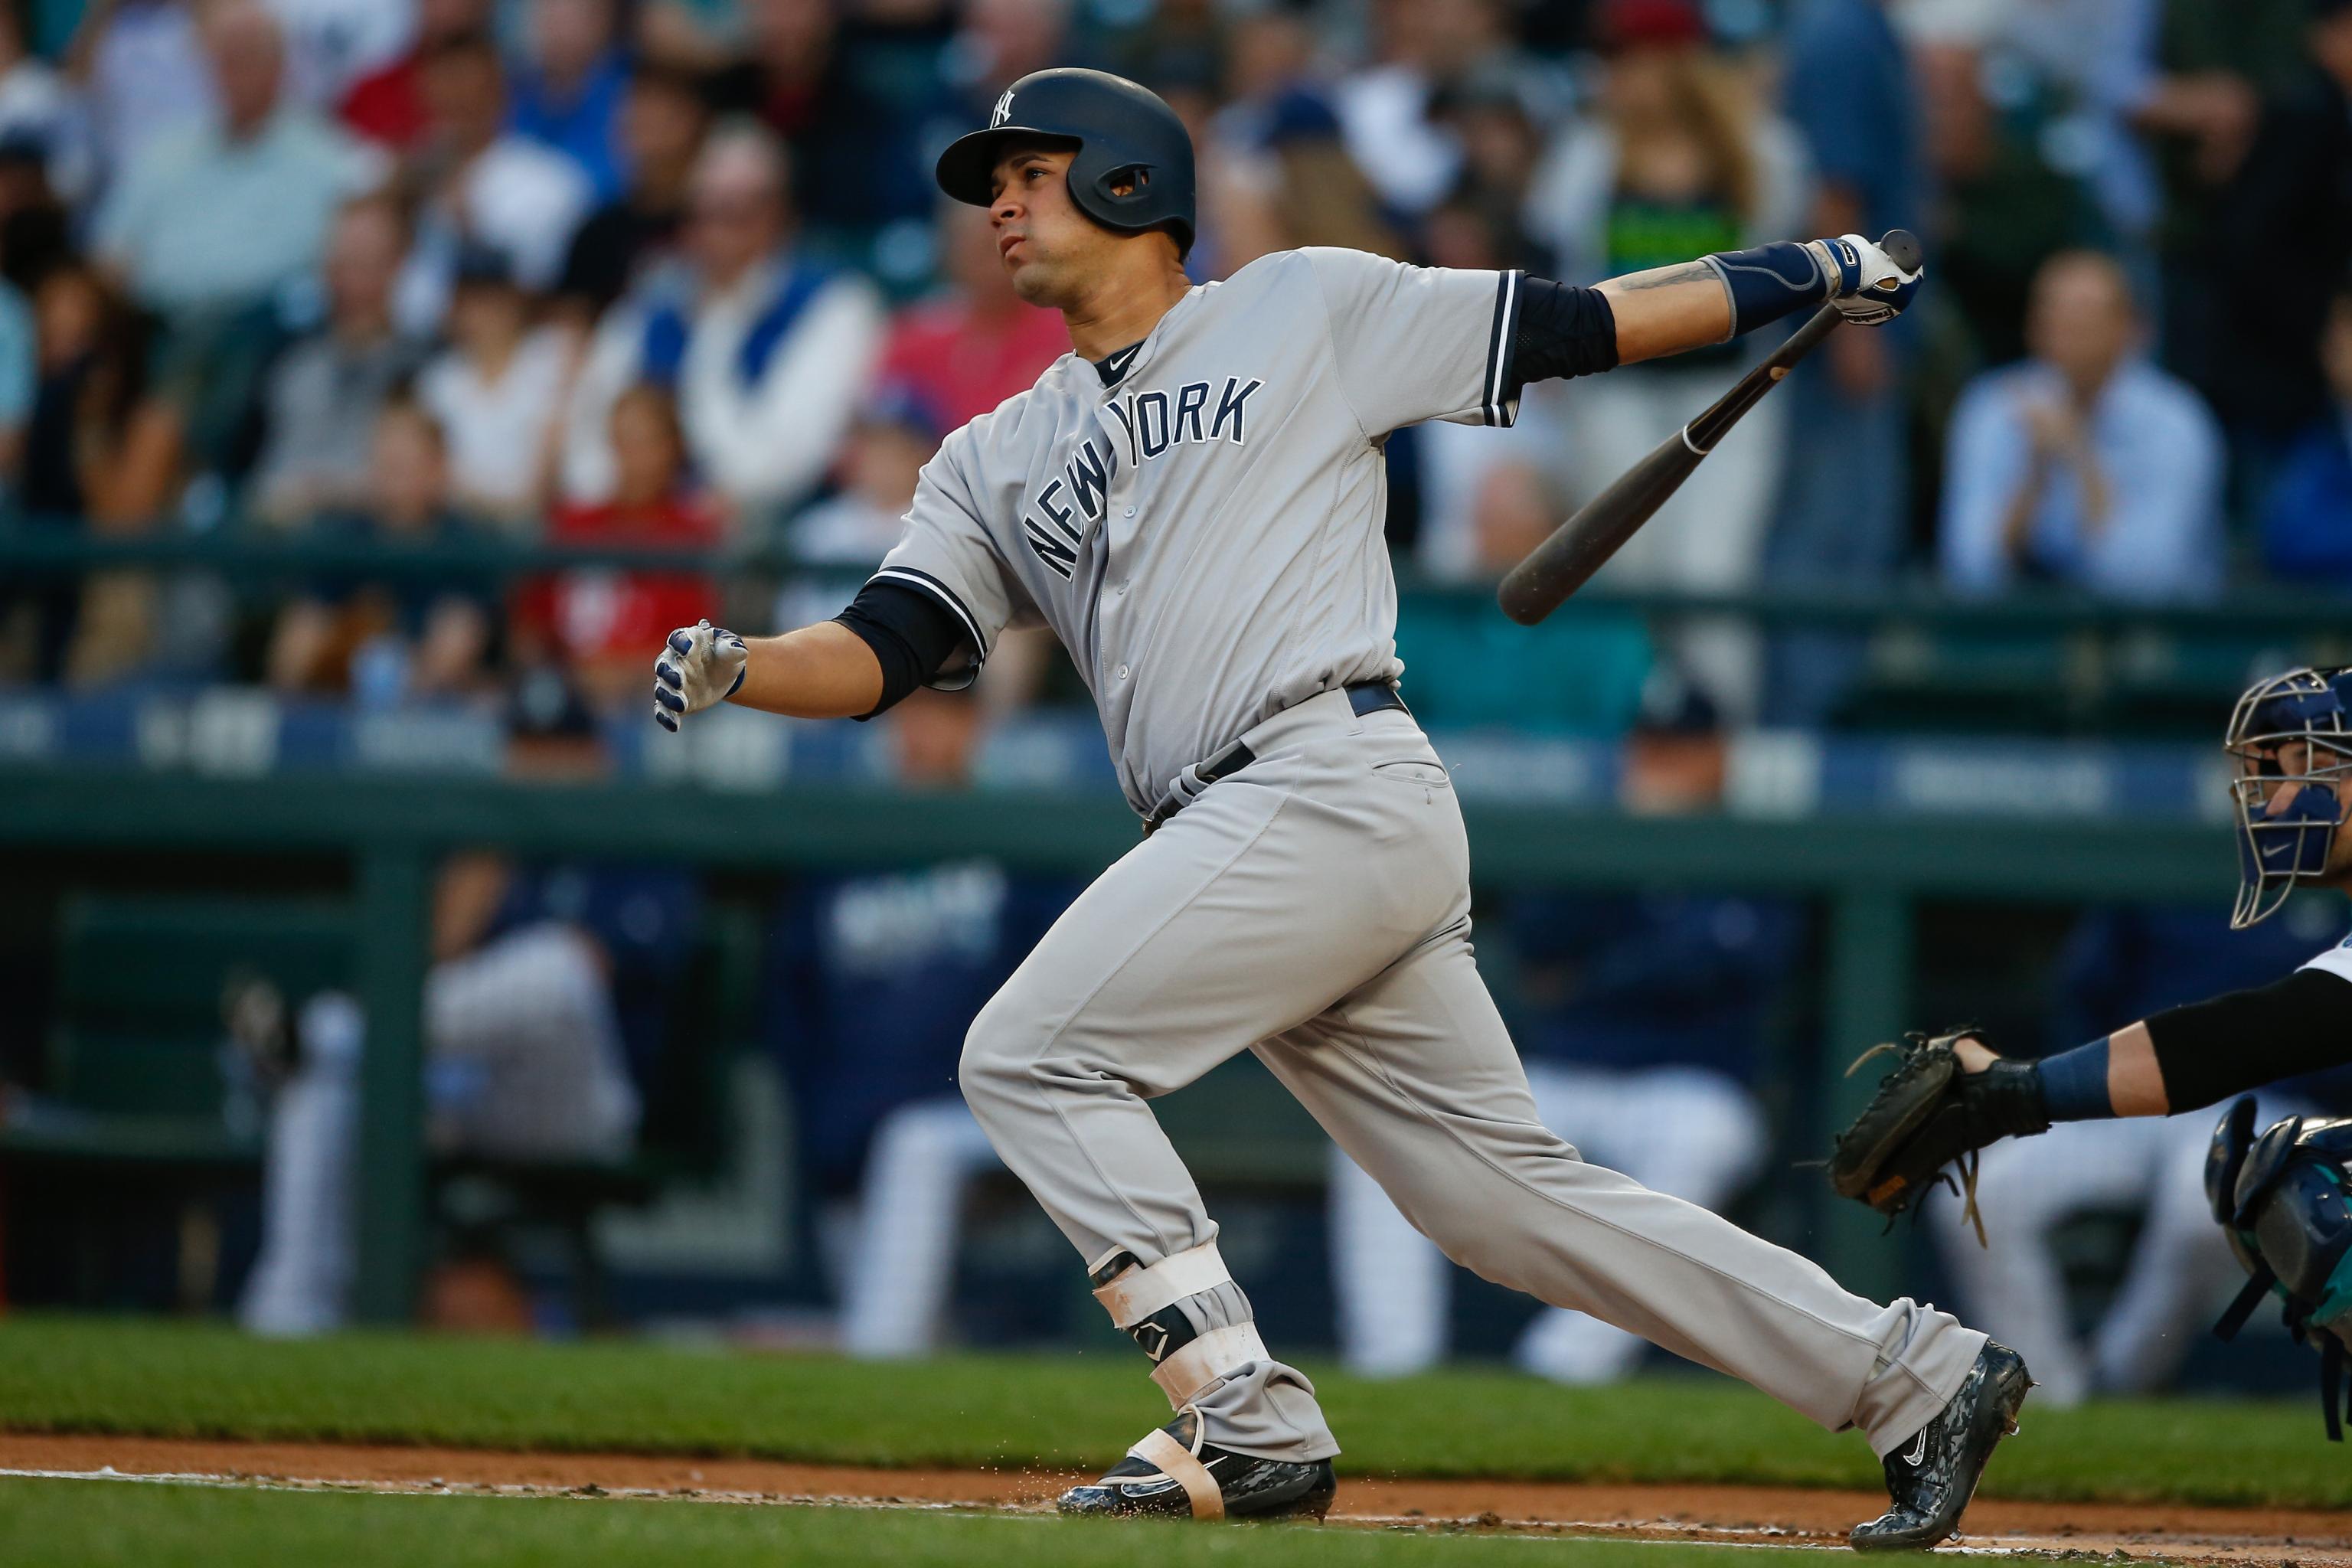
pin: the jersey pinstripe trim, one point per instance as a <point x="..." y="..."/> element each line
<point x="947" y="596"/>
<point x="1501" y="406"/>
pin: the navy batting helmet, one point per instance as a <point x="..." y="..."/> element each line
<point x="1124" y="135"/>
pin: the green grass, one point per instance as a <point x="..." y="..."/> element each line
<point x="1072" y="1412"/>
<point x="62" y="1523"/>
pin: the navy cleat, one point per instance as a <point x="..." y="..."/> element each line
<point x="1932" y="1477"/>
<point x="1174" y="1474"/>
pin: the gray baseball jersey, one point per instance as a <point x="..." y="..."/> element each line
<point x="1204" y="534"/>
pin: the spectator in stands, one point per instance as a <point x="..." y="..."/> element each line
<point x="1173" y="39"/>
<point x="598" y="623"/>
<point x="104" y="454"/>
<point x="1281" y="176"/>
<point x="213" y="221"/>
<point x="2085" y="464"/>
<point x="856" y="152"/>
<point x="1679" y="160"/>
<point x="218" y="217"/>
<point x="1645" y="1023"/>
<point x="974" y="342"/>
<point x="896" y="433"/>
<point x="569" y="94"/>
<point x="35" y="230"/>
<point x="549" y="983"/>
<point x="497" y="392"/>
<point x="477" y="182"/>
<point x="876" y="980"/>
<point x="2214" y="74"/>
<point x="695" y="35"/>
<point x="2252" y="259"/>
<point x="39" y="108"/>
<point x="142" y="65"/>
<point x="1844" y="503"/>
<point x="327" y="392"/>
<point x="386" y="640"/>
<point x="2120" y="963"/>
<point x="1420" y="47"/>
<point x="998" y="42"/>
<point x="662" y="123"/>
<point x="1488" y="114"/>
<point x="2306" y="533"/>
<point x="387" y="104"/>
<point x="1999" y="97"/>
<point x="332" y="45"/>
<point x="1466" y="668"/>
<point x="767" y="349"/>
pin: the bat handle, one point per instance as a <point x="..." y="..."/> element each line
<point x="1903" y="248"/>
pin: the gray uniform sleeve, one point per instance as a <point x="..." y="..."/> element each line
<point x="1419" y="342"/>
<point x="948" y="553"/>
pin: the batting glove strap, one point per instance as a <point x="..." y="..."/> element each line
<point x="1870" y="288"/>
<point x="700" y="666"/>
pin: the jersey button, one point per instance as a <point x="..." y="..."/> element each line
<point x="1122" y="672"/>
<point x="1122" y="588"/>
<point x="1130" y="511"/>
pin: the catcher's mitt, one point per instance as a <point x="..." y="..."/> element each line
<point x="1925" y="1115"/>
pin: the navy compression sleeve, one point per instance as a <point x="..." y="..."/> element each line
<point x="1563" y="330"/>
<point x="1769" y="281"/>
<point x="913" y="635"/>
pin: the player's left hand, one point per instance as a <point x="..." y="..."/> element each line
<point x="700" y="667"/>
<point x="1871" y="289"/>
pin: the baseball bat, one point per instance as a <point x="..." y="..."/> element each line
<point x="1580" y="546"/>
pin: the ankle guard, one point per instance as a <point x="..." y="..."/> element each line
<point x="1143" y="1302"/>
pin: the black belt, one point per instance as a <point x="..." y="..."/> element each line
<point x="1364" y="696"/>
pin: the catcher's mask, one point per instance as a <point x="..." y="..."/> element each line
<point x="2291" y="741"/>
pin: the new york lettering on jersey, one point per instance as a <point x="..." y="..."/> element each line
<point x="1204" y="533"/>
<point x="1149" y="423"/>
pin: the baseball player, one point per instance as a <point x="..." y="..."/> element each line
<point x="2282" y="1199"/>
<point x="2290" y="739"/>
<point x="1193" y="501"/>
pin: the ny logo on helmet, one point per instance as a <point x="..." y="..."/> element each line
<point x="1003" y="111"/>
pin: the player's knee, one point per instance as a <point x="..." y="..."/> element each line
<point x="1010" y="1061"/>
<point x="1000" y="1056"/>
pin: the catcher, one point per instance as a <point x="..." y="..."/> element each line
<point x="2290" y="738"/>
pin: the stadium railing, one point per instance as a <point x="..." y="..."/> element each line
<point x="1872" y="869"/>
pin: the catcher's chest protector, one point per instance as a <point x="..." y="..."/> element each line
<point x="2283" y="1199"/>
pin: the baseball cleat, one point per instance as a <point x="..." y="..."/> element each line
<point x="1932" y="1477"/>
<point x="1174" y="1474"/>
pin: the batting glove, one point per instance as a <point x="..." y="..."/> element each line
<point x="1871" y="289"/>
<point x="701" y="666"/>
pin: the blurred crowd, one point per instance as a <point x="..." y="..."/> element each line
<point x="673" y="273"/>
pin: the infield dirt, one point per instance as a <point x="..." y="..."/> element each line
<point x="1787" y="1517"/>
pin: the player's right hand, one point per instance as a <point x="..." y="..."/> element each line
<point x="1871" y="289"/>
<point x="701" y="665"/>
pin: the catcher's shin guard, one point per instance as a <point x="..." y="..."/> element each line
<point x="1176" y="1473"/>
<point x="2285" y="1200"/>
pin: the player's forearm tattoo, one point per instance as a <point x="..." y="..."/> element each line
<point x="1663" y="277"/>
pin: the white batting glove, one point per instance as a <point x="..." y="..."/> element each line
<point x="1871" y="289"/>
<point x="702" y="665"/>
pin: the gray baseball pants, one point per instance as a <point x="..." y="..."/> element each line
<point x="1314" y="908"/>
